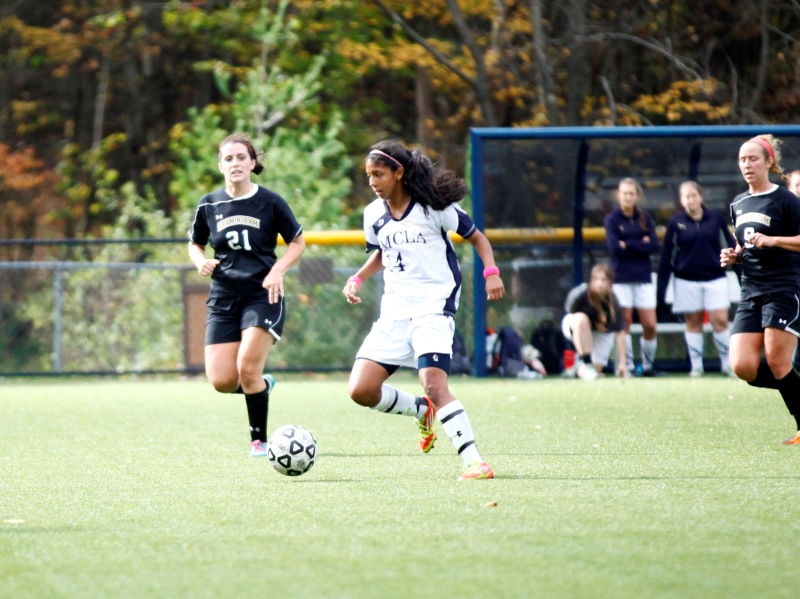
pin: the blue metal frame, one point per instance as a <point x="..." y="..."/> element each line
<point x="477" y="135"/>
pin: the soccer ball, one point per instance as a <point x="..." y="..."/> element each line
<point x="292" y="450"/>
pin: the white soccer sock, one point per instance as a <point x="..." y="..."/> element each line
<point x="395" y="401"/>
<point x="723" y="341"/>
<point x="648" y="352"/>
<point x="629" y="352"/>
<point x="694" y="343"/>
<point x="455" y="423"/>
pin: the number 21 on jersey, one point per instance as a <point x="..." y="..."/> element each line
<point x="233" y="240"/>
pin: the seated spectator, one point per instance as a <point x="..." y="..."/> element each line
<point x="594" y="320"/>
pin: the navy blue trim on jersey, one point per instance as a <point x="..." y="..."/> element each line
<point x="466" y="228"/>
<point x="452" y="261"/>
<point x="434" y="360"/>
<point x="384" y="220"/>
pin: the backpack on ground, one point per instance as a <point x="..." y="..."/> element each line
<point x="460" y="362"/>
<point x="550" y="342"/>
<point x="507" y="353"/>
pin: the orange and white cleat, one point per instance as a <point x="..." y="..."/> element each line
<point x="477" y="471"/>
<point x="793" y="440"/>
<point x="427" y="433"/>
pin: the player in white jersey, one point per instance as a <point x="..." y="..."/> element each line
<point x="407" y="232"/>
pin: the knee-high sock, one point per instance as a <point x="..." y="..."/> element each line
<point x="789" y="386"/>
<point x="694" y="343"/>
<point x="649" y="347"/>
<point x="257" y="410"/>
<point x="397" y="401"/>
<point x="764" y="378"/>
<point x="723" y="341"/>
<point x="456" y="424"/>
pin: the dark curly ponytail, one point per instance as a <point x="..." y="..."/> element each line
<point x="426" y="185"/>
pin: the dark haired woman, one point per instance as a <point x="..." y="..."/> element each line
<point x="406" y="229"/>
<point x="593" y="321"/>
<point x="766" y="219"/>
<point x="631" y="238"/>
<point x="692" y="244"/>
<point x="246" y="308"/>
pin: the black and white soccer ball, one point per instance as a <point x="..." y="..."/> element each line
<point x="292" y="450"/>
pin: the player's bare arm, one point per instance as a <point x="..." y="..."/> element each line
<point x="372" y="266"/>
<point x="730" y="256"/>
<point x="273" y="282"/>
<point x="791" y="244"/>
<point x="494" y="284"/>
<point x="197" y="254"/>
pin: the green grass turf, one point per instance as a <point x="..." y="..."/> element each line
<point x="642" y="488"/>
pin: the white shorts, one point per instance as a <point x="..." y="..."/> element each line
<point x="696" y="296"/>
<point x="402" y="342"/>
<point x="635" y="295"/>
<point x="602" y="343"/>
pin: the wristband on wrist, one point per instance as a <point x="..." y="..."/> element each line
<point x="490" y="270"/>
<point x="357" y="280"/>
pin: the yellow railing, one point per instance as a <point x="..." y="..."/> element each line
<point x="497" y="236"/>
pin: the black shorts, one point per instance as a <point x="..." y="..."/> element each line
<point x="776" y="310"/>
<point x="228" y="317"/>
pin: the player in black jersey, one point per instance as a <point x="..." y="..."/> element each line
<point x="246" y="308"/>
<point x="767" y="229"/>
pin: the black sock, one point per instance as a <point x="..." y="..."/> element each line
<point x="587" y="358"/>
<point x="257" y="409"/>
<point x="239" y="390"/>
<point x="764" y="378"/>
<point x="789" y="386"/>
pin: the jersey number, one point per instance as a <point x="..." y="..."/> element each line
<point x="233" y="240"/>
<point x="748" y="233"/>
<point x="398" y="264"/>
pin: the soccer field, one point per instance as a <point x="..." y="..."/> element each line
<point x="626" y="489"/>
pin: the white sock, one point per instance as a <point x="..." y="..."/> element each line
<point x="395" y="401"/>
<point x="455" y="423"/>
<point x="648" y="352"/>
<point x="694" y="343"/>
<point x="723" y="341"/>
<point x="629" y="352"/>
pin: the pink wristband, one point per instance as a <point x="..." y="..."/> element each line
<point x="357" y="280"/>
<point x="490" y="270"/>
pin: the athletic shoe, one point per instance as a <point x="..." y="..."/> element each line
<point x="427" y="434"/>
<point x="696" y="373"/>
<point x="652" y="372"/>
<point x="258" y="449"/>
<point x="587" y="373"/>
<point x="270" y="380"/>
<point x="793" y="440"/>
<point x="476" y="471"/>
<point x="571" y="372"/>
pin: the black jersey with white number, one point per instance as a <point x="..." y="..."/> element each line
<point x="243" y="232"/>
<point x="775" y="213"/>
